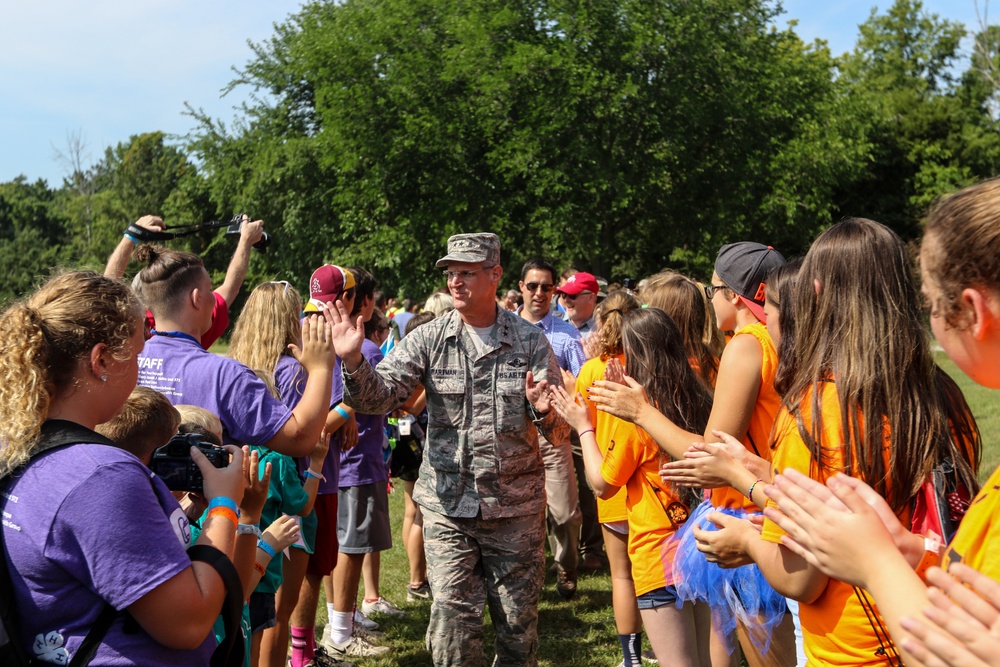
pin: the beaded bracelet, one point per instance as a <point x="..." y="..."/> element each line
<point x="752" y="487"/>
<point x="266" y="548"/>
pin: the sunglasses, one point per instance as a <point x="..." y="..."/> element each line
<point x="534" y="287"/>
<point x="281" y="282"/>
<point x="710" y="290"/>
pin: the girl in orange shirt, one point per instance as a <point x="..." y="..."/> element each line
<point x="656" y="355"/>
<point x="611" y="512"/>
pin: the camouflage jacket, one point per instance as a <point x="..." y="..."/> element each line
<point x="481" y="452"/>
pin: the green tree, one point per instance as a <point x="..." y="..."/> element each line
<point x="930" y="131"/>
<point x="621" y="135"/>
<point x="32" y="235"/>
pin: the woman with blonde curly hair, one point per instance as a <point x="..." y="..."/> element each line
<point x="85" y="525"/>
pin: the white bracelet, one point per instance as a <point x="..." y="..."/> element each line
<point x="315" y="475"/>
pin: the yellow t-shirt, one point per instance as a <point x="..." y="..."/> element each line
<point x="654" y="512"/>
<point x="764" y="412"/>
<point x="606" y="428"/>
<point x="977" y="542"/>
<point x="835" y="629"/>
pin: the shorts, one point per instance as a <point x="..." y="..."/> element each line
<point x="406" y="459"/>
<point x="620" y="527"/>
<point x="659" y="597"/>
<point x="262" y="612"/>
<point x="363" y="519"/>
<point x="324" y="555"/>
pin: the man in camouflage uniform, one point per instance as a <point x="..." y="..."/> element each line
<point x="482" y="483"/>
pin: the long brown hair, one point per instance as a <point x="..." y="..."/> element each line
<point x="684" y="301"/>
<point x="657" y="360"/>
<point x="863" y="329"/>
<point x="45" y="337"/>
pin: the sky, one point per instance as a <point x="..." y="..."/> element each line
<point x="105" y="70"/>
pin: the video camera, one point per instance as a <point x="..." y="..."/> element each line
<point x="173" y="463"/>
<point x="232" y="228"/>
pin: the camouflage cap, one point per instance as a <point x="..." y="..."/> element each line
<point x="478" y="247"/>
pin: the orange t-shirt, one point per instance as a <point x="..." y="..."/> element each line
<point x="764" y="412"/>
<point x="835" y="629"/>
<point x="606" y="428"/>
<point x="977" y="542"/>
<point x="654" y="512"/>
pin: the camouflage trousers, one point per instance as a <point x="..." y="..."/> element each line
<point x="475" y="562"/>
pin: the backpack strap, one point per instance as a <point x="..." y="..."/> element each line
<point x="231" y="651"/>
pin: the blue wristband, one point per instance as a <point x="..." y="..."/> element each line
<point x="222" y="501"/>
<point x="315" y="475"/>
<point x="342" y="412"/>
<point x="131" y="238"/>
<point x="266" y="548"/>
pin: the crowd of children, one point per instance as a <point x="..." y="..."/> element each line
<point x="782" y="470"/>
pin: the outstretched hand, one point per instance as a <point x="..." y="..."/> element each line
<point x="347" y="335"/>
<point x="707" y="465"/>
<point x="625" y="401"/>
<point x="537" y="393"/>
<point x="572" y="409"/>
<point x="317" y="351"/>
<point x="835" y="527"/>
<point x="962" y="629"/>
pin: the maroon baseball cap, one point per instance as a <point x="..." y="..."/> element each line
<point x="327" y="283"/>
<point x="579" y="282"/>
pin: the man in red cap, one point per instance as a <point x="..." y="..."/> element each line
<point x="578" y="296"/>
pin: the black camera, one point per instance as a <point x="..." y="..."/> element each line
<point x="173" y="463"/>
<point x="234" y="229"/>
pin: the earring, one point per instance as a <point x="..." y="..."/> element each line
<point x="104" y="377"/>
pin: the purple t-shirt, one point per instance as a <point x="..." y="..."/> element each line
<point x="87" y="525"/>
<point x="290" y="377"/>
<point x="364" y="463"/>
<point x="185" y="373"/>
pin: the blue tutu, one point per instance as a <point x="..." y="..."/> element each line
<point x="736" y="593"/>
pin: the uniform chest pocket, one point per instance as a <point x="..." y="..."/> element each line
<point x="446" y="401"/>
<point x="511" y="404"/>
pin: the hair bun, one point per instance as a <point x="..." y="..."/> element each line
<point x="147" y="254"/>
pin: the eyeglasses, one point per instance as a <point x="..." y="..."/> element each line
<point x="710" y="290"/>
<point x="534" y="287"/>
<point x="281" y="282"/>
<point x="464" y="275"/>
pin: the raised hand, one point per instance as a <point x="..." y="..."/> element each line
<point x="624" y="401"/>
<point x="317" y="352"/>
<point x="347" y="335"/>
<point x="257" y="486"/>
<point x="282" y="533"/>
<point x="537" y="393"/>
<point x="229" y="481"/>
<point x="572" y="409"/>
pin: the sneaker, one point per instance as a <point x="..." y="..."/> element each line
<point x="361" y="619"/>
<point x="421" y="592"/>
<point x="373" y="637"/>
<point x="565" y="583"/>
<point x="649" y="656"/>
<point x="381" y="606"/>
<point x="323" y="659"/>
<point x="355" y="647"/>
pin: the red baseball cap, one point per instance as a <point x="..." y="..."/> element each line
<point x="579" y="282"/>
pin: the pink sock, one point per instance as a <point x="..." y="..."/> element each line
<point x="303" y="646"/>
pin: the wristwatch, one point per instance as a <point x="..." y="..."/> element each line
<point x="248" y="529"/>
